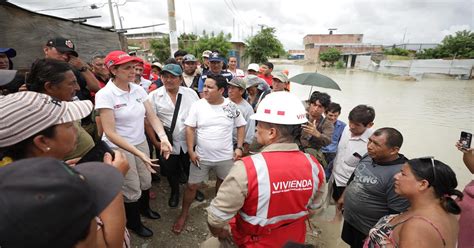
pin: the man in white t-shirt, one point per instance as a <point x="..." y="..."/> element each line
<point x="235" y="90"/>
<point x="352" y="147"/>
<point x="209" y="126"/>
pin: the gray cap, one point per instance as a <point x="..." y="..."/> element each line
<point x="238" y="82"/>
<point x="6" y="76"/>
<point x="252" y="80"/>
<point x="281" y="76"/>
<point x="189" y="57"/>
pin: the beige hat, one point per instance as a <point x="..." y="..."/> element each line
<point x="238" y="82"/>
<point x="281" y="76"/>
<point x="206" y="54"/>
<point x="27" y="113"/>
<point x="157" y="64"/>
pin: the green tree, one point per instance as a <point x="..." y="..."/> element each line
<point x="263" y="45"/>
<point x="396" y="51"/>
<point x="192" y="44"/>
<point x="161" y="48"/>
<point x="221" y="42"/>
<point x="461" y="46"/>
<point x="331" y="55"/>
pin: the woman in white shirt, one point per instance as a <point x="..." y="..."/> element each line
<point x="123" y="108"/>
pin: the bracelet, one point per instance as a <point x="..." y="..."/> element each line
<point x="240" y="148"/>
<point x="163" y="134"/>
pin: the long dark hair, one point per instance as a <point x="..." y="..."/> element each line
<point x="46" y="70"/>
<point x="441" y="177"/>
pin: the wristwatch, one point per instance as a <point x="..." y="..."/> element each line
<point x="240" y="148"/>
<point x="84" y="68"/>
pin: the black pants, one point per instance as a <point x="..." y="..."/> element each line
<point x="352" y="236"/>
<point x="172" y="168"/>
<point x="337" y="191"/>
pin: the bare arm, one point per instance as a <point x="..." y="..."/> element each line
<point x="240" y="142"/>
<point x="155" y="122"/>
<point x="190" y="135"/>
<point x="91" y="81"/>
<point x="113" y="217"/>
<point x="108" y="124"/>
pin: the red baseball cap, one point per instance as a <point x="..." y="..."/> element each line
<point x="119" y="58"/>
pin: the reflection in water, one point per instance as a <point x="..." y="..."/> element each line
<point x="430" y="113"/>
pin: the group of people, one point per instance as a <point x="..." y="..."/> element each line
<point x="275" y="157"/>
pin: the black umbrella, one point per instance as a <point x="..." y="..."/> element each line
<point x="315" y="79"/>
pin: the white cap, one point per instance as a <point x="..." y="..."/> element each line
<point x="281" y="108"/>
<point x="157" y="64"/>
<point x="254" y="67"/>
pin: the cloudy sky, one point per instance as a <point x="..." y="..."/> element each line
<point x="381" y="21"/>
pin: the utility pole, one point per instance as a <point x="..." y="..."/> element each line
<point x="119" y="17"/>
<point x="111" y="14"/>
<point x="172" y="27"/>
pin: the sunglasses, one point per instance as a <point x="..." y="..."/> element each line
<point x="431" y="158"/>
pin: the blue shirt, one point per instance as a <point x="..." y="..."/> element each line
<point x="336" y="136"/>
<point x="203" y="78"/>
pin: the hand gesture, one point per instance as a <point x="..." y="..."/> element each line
<point x="310" y="128"/>
<point x="237" y="154"/>
<point x="165" y="148"/>
<point x="194" y="158"/>
<point x="149" y="163"/>
<point x="120" y="161"/>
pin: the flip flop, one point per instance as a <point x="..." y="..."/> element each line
<point x="178" y="226"/>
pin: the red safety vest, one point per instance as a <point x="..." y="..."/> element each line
<point x="280" y="185"/>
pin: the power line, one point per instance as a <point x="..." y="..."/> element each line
<point x="238" y="12"/>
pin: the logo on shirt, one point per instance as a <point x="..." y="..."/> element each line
<point x="231" y="110"/>
<point x="298" y="185"/>
<point x="120" y="105"/>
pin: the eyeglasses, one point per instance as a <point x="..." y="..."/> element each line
<point x="431" y="158"/>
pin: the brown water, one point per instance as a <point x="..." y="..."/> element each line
<point x="430" y="113"/>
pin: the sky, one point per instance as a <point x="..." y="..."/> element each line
<point x="382" y="22"/>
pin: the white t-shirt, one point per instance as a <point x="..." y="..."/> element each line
<point x="164" y="109"/>
<point x="214" y="125"/>
<point x="238" y="73"/>
<point x="129" y="111"/>
<point x="345" y="162"/>
<point x="145" y="83"/>
<point x="246" y="110"/>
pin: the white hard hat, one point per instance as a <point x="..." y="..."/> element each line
<point x="281" y="108"/>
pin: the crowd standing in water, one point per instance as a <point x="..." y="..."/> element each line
<point x="80" y="141"/>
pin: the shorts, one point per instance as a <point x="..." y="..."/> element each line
<point x="221" y="168"/>
<point x="337" y="191"/>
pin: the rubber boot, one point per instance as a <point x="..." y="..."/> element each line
<point x="173" y="201"/>
<point x="144" y="203"/>
<point x="134" y="223"/>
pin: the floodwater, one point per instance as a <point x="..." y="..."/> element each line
<point x="430" y="113"/>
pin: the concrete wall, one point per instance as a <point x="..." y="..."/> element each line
<point x="27" y="32"/>
<point x="417" y="68"/>
<point x="333" y="38"/>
